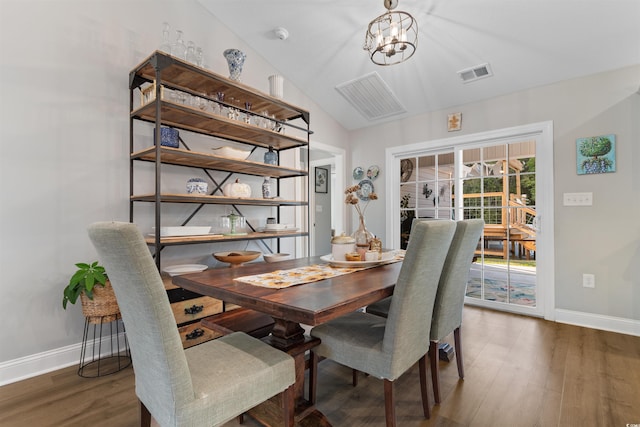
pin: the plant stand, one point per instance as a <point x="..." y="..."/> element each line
<point x="96" y="361"/>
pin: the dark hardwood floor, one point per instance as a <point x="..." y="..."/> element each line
<point x="519" y="371"/>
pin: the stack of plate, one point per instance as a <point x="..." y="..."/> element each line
<point x="279" y="228"/>
<point x="183" y="231"/>
<point x="176" y="270"/>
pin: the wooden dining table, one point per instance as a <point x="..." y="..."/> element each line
<point x="304" y="304"/>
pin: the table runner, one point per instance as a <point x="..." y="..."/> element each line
<point x="280" y="279"/>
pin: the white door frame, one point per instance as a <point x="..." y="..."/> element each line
<point x="337" y="161"/>
<point x="543" y="133"/>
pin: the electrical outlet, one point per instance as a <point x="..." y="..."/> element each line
<point x="588" y="280"/>
<point x="577" y="199"/>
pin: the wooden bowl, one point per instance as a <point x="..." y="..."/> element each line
<point x="236" y="258"/>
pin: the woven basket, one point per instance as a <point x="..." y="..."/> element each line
<point x="103" y="307"/>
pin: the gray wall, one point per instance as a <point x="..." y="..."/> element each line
<point x="603" y="239"/>
<point x="64" y="141"/>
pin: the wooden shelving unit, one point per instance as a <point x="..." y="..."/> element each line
<point x="150" y="84"/>
<point x="160" y="73"/>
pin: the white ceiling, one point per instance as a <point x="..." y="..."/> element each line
<point x="527" y="43"/>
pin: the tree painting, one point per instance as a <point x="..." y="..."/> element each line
<point x="596" y="154"/>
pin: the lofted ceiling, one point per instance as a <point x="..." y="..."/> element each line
<point x="527" y="43"/>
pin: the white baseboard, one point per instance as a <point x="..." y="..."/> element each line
<point x="47" y="361"/>
<point x="597" y="321"/>
<point x="41" y="363"/>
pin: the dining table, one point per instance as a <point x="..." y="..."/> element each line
<point x="309" y="304"/>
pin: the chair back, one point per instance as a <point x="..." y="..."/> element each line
<point x="405" y="340"/>
<point x="447" y="311"/>
<point x="163" y="381"/>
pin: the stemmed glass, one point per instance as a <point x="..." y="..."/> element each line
<point x="178" y="48"/>
<point x="166" y="45"/>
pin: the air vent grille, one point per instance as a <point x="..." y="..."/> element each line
<point x="475" y="73"/>
<point x="371" y="96"/>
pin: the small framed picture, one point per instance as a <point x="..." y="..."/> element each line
<point x="596" y="154"/>
<point x="454" y="122"/>
<point x="322" y="180"/>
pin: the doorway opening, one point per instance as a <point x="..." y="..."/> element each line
<point x="327" y="212"/>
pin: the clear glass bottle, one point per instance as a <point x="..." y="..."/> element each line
<point x="178" y="48"/>
<point x="191" y="53"/>
<point x="271" y="157"/>
<point x="199" y="57"/>
<point x="166" y="44"/>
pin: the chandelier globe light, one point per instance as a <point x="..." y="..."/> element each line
<point x="392" y="37"/>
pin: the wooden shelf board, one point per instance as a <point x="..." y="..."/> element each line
<point x="220" y="200"/>
<point x="188" y="77"/>
<point x="182" y="157"/>
<point x="184" y="117"/>
<point x="188" y="240"/>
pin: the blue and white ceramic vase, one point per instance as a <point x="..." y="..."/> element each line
<point x="235" y="59"/>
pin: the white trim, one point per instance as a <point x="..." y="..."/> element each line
<point x="543" y="133"/>
<point x="620" y="325"/>
<point x="40" y="363"/>
<point x="338" y="162"/>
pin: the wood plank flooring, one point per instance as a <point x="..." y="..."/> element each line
<point x="520" y="371"/>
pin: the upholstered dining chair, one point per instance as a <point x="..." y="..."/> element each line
<point x="387" y="347"/>
<point x="447" y="311"/>
<point x="205" y="385"/>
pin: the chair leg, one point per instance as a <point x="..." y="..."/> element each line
<point x="145" y="416"/>
<point x="389" y="404"/>
<point x="313" y="376"/>
<point x="288" y="397"/>
<point x="354" y="377"/>
<point x="457" y="339"/>
<point x="435" y="373"/>
<point x="422" y="365"/>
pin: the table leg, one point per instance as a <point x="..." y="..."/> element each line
<point x="285" y="335"/>
<point x="289" y="337"/>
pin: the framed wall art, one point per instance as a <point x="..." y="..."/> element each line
<point x="596" y="154"/>
<point x="454" y="122"/>
<point x="322" y="180"/>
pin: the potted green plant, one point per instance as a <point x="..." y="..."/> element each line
<point x="91" y="283"/>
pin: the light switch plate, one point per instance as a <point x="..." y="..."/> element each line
<point x="588" y="280"/>
<point x="577" y="199"/>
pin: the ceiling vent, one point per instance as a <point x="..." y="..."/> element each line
<point x="371" y="96"/>
<point x="475" y="73"/>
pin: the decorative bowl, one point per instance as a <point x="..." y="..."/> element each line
<point x="197" y="186"/>
<point x="276" y="257"/>
<point x="236" y="258"/>
<point x="230" y="152"/>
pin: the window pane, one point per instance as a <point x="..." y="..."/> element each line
<point x="427" y="198"/>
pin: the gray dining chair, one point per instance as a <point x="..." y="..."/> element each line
<point x="387" y="347"/>
<point x="205" y="385"/>
<point x="447" y="311"/>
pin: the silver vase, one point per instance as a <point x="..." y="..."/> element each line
<point x="235" y="58"/>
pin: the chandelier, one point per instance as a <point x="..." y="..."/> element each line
<point x="392" y="37"/>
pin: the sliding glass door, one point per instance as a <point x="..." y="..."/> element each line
<point x="497" y="180"/>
